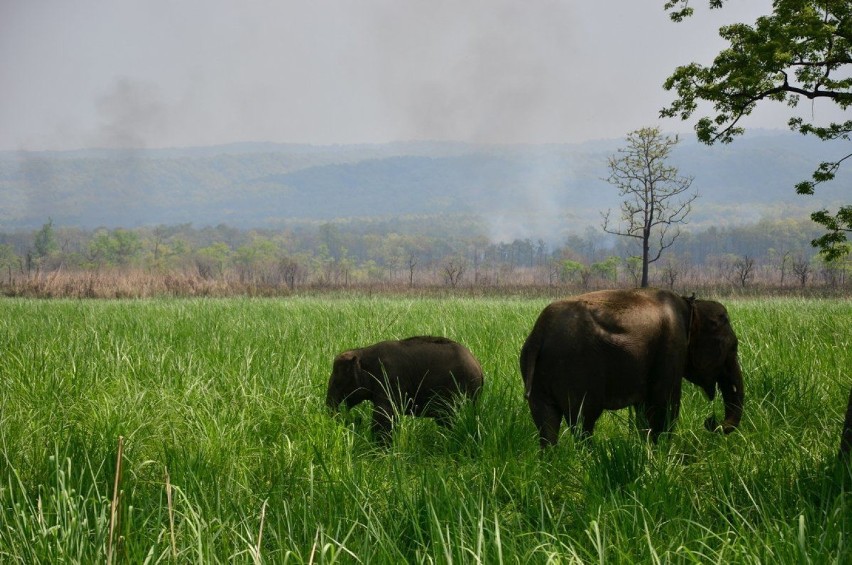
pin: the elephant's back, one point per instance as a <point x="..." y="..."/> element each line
<point x="612" y="312"/>
<point x="434" y="357"/>
<point x="619" y="327"/>
<point x="438" y="348"/>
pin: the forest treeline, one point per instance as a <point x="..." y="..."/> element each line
<point x="412" y="252"/>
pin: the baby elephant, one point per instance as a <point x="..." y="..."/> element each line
<point x="417" y="376"/>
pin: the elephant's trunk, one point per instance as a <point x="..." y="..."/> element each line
<point x="332" y="403"/>
<point x="731" y="386"/>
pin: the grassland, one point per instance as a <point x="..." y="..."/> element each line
<point x="229" y="455"/>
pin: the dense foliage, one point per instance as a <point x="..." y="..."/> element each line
<point x="451" y="251"/>
<point x="801" y="50"/>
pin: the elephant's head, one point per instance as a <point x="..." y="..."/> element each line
<point x="712" y="360"/>
<point x="348" y="382"/>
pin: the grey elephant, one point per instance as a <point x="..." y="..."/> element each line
<point x="419" y="376"/>
<point x="611" y="349"/>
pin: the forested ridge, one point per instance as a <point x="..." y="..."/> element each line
<point x="536" y="189"/>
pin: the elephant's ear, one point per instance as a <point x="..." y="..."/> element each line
<point x="352" y="367"/>
<point x="712" y="338"/>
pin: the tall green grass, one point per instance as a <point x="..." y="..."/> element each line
<point x="226" y="398"/>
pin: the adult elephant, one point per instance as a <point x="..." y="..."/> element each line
<point x="419" y="376"/>
<point x="616" y="348"/>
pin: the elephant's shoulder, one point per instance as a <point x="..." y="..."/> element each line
<point x="617" y="300"/>
<point x="426" y="340"/>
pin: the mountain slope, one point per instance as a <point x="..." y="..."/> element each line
<point x="525" y="189"/>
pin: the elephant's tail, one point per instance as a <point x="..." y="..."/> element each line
<point x="529" y="355"/>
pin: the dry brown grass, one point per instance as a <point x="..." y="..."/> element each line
<point x="140" y="283"/>
<point x="116" y="284"/>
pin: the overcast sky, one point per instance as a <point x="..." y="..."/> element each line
<point x="172" y="73"/>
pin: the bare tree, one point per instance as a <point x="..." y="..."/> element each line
<point x="783" y="265"/>
<point x="540" y="251"/>
<point x="633" y="265"/>
<point x="656" y="199"/>
<point x="289" y="270"/>
<point x="802" y="269"/>
<point x="454" y="268"/>
<point x="744" y="269"/>
<point x="412" y="264"/>
<point x="670" y="274"/>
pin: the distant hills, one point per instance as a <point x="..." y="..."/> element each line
<point x="519" y="190"/>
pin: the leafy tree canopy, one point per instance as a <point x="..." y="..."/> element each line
<point x="803" y="49"/>
<point x="45" y="240"/>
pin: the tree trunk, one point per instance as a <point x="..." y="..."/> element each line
<point x="645" y="252"/>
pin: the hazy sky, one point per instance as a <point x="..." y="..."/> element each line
<point x="163" y="73"/>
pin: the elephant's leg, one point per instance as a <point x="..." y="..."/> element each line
<point x="441" y="410"/>
<point x="548" y="419"/>
<point x="662" y="397"/>
<point x="581" y="414"/>
<point x="660" y="417"/>
<point x="639" y="417"/>
<point x="444" y="418"/>
<point x="588" y="417"/>
<point x="382" y="423"/>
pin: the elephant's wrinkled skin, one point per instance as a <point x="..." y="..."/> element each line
<point x="846" y="436"/>
<point x="417" y="376"/>
<point x="616" y="348"/>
